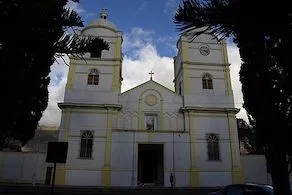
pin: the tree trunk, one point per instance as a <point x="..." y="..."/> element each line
<point x="279" y="171"/>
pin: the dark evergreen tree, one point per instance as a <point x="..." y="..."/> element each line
<point x="262" y="31"/>
<point x="32" y="35"/>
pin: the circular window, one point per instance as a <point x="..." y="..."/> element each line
<point x="151" y="100"/>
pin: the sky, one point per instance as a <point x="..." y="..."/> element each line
<point x="149" y="43"/>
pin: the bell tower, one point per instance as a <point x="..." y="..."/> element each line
<point x="201" y="72"/>
<point x="96" y="77"/>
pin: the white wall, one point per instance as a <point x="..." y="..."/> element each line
<point x="124" y="164"/>
<point x="20" y="167"/>
<point x="212" y="124"/>
<point x="255" y="169"/>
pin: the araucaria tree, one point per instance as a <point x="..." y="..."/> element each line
<point x="32" y="34"/>
<point x="262" y="32"/>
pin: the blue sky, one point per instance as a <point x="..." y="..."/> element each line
<point x="149" y="44"/>
<point x="151" y="15"/>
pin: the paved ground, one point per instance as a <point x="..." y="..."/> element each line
<point x="45" y="190"/>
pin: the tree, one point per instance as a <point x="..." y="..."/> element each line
<point x="32" y="35"/>
<point x="264" y="42"/>
<point x="247" y="136"/>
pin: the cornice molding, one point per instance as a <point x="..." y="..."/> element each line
<point x="90" y="106"/>
<point x="209" y="110"/>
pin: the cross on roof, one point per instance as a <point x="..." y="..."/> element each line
<point x="151" y="73"/>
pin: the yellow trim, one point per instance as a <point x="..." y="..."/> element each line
<point x="71" y="73"/>
<point x="185" y="58"/>
<point x="60" y="175"/>
<point x="225" y="56"/>
<point x="237" y="172"/>
<point x="161" y="122"/>
<point x="106" y="176"/>
<point x="194" y="172"/>
<point x="186" y="79"/>
<point x="118" y="47"/>
<point x="185" y="50"/>
<point x="140" y="116"/>
<point x="195" y="177"/>
<point x="228" y="87"/>
<point x="89" y="111"/>
<point x="116" y="84"/>
<point x="106" y="170"/>
<point x="67" y="124"/>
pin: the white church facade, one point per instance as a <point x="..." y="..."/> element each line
<point x="141" y="136"/>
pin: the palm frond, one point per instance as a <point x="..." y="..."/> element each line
<point x="212" y="16"/>
<point x="74" y="44"/>
<point x="71" y="18"/>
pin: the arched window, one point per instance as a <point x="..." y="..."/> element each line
<point x="93" y="77"/>
<point x="207" y="81"/>
<point x="86" y="144"/>
<point x="213" y="146"/>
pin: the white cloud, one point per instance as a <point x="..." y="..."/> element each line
<point x="170" y="7"/>
<point x="75" y="6"/>
<point x="142" y="7"/>
<point x="136" y="39"/>
<point x="58" y="75"/>
<point x="235" y="61"/>
<point x="136" y="70"/>
<point x="168" y="42"/>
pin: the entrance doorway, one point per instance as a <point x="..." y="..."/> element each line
<point x="150" y="164"/>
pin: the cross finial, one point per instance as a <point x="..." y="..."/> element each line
<point x="151" y="73"/>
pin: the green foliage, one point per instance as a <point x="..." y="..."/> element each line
<point x="247" y="136"/>
<point x="32" y="34"/>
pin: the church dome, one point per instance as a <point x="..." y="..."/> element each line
<point x="102" y="22"/>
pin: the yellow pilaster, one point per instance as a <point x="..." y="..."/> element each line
<point x="71" y="73"/>
<point x="161" y="122"/>
<point x="185" y="58"/>
<point x="228" y="87"/>
<point x="67" y="124"/>
<point x="194" y="172"/>
<point x="237" y="172"/>
<point x="118" y="47"/>
<point x="116" y="85"/>
<point x="61" y="169"/>
<point x="140" y="115"/>
<point x="60" y="175"/>
<point x="106" y="170"/>
<point x="185" y="50"/>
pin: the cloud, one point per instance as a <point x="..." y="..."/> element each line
<point x="58" y="75"/>
<point x="75" y="6"/>
<point x="136" y="70"/>
<point x="142" y="7"/>
<point x="235" y="61"/>
<point x="136" y="40"/>
<point x="170" y="7"/>
<point x="168" y="42"/>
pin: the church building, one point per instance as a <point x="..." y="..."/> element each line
<point x="142" y="136"/>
